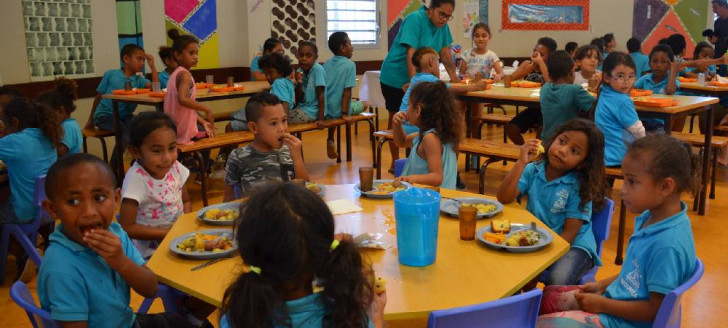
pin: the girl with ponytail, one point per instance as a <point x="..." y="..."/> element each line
<point x="286" y="239"/>
<point x="62" y="100"/>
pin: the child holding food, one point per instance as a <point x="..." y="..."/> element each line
<point x="286" y="238"/>
<point x="562" y="187"/>
<point x="274" y="155"/>
<point x="91" y="262"/>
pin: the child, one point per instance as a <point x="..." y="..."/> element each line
<point x="614" y="111"/>
<point x="91" y="263"/>
<point x="610" y="44"/>
<point x="102" y="113"/>
<point x="165" y="53"/>
<point x="179" y="103"/>
<point x="599" y="43"/>
<point x="662" y="80"/>
<point x="433" y="160"/>
<point x="641" y="62"/>
<point x="286" y="239"/>
<point x="562" y="100"/>
<point x="587" y="59"/>
<point x="563" y="188"/>
<point x="153" y="194"/>
<point x="270" y="46"/>
<point x="274" y="155"/>
<point x="703" y="51"/>
<point x="661" y="252"/>
<point x="61" y="99"/>
<point x="571" y="47"/>
<point x="479" y="61"/>
<point x="277" y="68"/>
<point x="534" y="70"/>
<point x="6" y="95"/>
<point x="310" y="90"/>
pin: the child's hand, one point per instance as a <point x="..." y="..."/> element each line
<point x="405" y="178"/>
<point x="676" y="67"/>
<point x="724" y="58"/>
<point x="376" y="309"/>
<point x="320" y="124"/>
<point x="592" y="288"/>
<point x="481" y="85"/>
<point x="498" y="77"/>
<point x="529" y="151"/>
<point x="209" y="129"/>
<point x="594" y="82"/>
<point x="107" y="245"/>
<point x="150" y="60"/>
<point x="589" y="302"/>
<point x="89" y="125"/>
<point x="399" y="118"/>
<point x="536" y="58"/>
<point x="295" y="145"/>
<point x="299" y="77"/>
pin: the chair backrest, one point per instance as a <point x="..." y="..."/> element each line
<point x="669" y="315"/>
<point x="513" y="312"/>
<point x="237" y="193"/>
<point x="600" y="223"/>
<point x="39" y="195"/>
<point x="38" y="317"/>
<point x="399" y="166"/>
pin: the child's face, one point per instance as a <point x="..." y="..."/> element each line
<point x="541" y="49"/>
<point x="270" y="127"/>
<point x="347" y="50"/>
<point x="621" y="78"/>
<point x="441" y="15"/>
<point x="271" y="74"/>
<point x="590" y="62"/>
<point x="277" y="48"/>
<point x="640" y="191"/>
<point x="158" y="152"/>
<point x="706" y="53"/>
<point x="659" y="64"/>
<point x="481" y="38"/>
<point x="413" y="112"/>
<point x="568" y="150"/>
<point x="189" y="56"/>
<point x="170" y="63"/>
<point x="135" y="61"/>
<point x="85" y="198"/>
<point x="306" y="57"/>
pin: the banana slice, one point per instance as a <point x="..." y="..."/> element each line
<point x="380" y="285"/>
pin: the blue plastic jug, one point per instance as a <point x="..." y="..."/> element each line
<point x="417" y="216"/>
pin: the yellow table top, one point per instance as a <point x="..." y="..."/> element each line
<point x="251" y="87"/>
<point x="513" y="93"/>
<point x="464" y="273"/>
<point x="706" y="87"/>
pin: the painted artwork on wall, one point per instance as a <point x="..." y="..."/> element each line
<point x="58" y="38"/>
<point x="397" y="10"/>
<point x="471" y="16"/>
<point x="293" y="21"/>
<point x="129" y="23"/>
<point x="199" y="19"/>
<point x="559" y="15"/>
<point x="657" y="19"/>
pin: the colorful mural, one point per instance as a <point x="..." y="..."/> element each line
<point x="658" y="19"/>
<point x="129" y="23"/>
<point x="397" y="10"/>
<point x="199" y="19"/>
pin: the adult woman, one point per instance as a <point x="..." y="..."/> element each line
<point x="426" y="27"/>
<point x="720" y="31"/>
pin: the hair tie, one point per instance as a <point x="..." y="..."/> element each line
<point x="334" y="244"/>
<point x="255" y="269"/>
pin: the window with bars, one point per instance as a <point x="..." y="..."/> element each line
<point x="358" y="18"/>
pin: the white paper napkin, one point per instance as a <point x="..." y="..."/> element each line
<point x="343" y="206"/>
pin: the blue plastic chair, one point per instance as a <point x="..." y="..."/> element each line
<point x="399" y="166"/>
<point x="25" y="233"/>
<point x="512" y="312"/>
<point x="168" y="296"/>
<point x="669" y="315"/>
<point x="38" y="317"/>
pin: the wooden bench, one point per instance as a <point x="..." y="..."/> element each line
<point x="497" y="119"/>
<point x="383" y="137"/>
<point x="698" y="141"/>
<point x="99" y="134"/>
<point x="616" y="173"/>
<point x="494" y="151"/>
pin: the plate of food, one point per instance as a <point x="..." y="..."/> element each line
<point x="487" y="208"/>
<point x="220" y="214"/>
<point x="317" y="188"/>
<point x="383" y="188"/>
<point x="514" y="237"/>
<point x="204" y="245"/>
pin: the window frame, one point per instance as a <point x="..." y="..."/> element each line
<point x="378" y="32"/>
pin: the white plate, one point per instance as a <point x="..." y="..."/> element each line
<point x="372" y="194"/>
<point x="203" y="255"/>
<point x="546" y="238"/>
<point x="223" y="206"/>
<point x="452" y="208"/>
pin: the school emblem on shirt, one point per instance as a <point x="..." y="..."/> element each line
<point x="632" y="281"/>
<point x="560" y="203"/>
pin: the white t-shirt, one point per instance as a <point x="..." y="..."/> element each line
<point x="580" y="80"/>
<point x="160" y="201"/>
<point x="478" y="63"/>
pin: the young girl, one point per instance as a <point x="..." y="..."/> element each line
<point x="479" y="61"/>
<point x="614" y="111"/>
<point x="662" y="80"/>
<point x="270" y="46"/>
<point x="587" y="59"/>
<point x="610" y="43"/>
<point x="703" y="51"/>
<point x="61" y="99"/>
<point x="165" y="53"/>
<point x="433" y="160"/>
<point x="179" y="103"/>
<point x="661" y="252"/>
<point x="286" y="238"/>
<point x="563" y="188"/>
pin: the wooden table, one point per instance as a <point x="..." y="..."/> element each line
<point x="707" y="90"/>
<point x="465" y="272"/>
<point x="251" y="88"/>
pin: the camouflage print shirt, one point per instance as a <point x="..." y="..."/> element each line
<point x="251" y="169"/>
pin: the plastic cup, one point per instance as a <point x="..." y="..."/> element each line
<point x="366" y="178"/>
<point x="417" y="217"/>
<point x="156" y="87"/>
<point x="127" y="86"/>
<point x="230" y="81"/>
<point x="467" y="216"/>
<point x="209" y="79"/>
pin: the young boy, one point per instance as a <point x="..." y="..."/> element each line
<point x="91" y="262"/>
<point x="274" y="155"/>
<point x="571" y="47"/>
<point x="310" y="90"/>
<point x="641" y="61"/>
<point x="561" y="100"/>
<point x="534" y="70"/>
<point x="165" y="54"/>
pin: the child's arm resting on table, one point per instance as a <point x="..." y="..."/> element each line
<point x="401" y="139"/>
<point x="127" y="220"/>
<point x="509" y="189"/>
<point x="431" y="145"/>
<point x="459" y="89"/>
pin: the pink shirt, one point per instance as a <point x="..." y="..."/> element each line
<point x="185" y="118"/>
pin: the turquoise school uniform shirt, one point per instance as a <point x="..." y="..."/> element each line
<point x="614" y="114"/>
<point x="660" y="257"/>
<point x="114" y="80"/>
<point x="416" y="31"/>
<point x="641" y="63"/>
<point x="72" y="136"/>
<point x="340" y="74"/>
<point x="554" y="201"/>
<point x="255" y="67"/>
<point x="163" y="77"/>
<point x="711" y="69"/>
<point x="76" y="284"/>
<point x="561" y="103"/>
<point x="316" y="77"/>
<point x="418" y="165"/>
<point x="647" y="83"/>
<point x="416" y="79"/>
<point x="28" y="154"/>
<point x="283" y="88"/>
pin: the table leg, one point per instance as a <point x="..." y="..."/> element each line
<point x="348" y="141"/>
<point x="338" y="143"/>
<point x="620" y="235"/>
<point x="379" y="157"/>
<point x="203" y="176"/>
<point x="371" y="139"/>
<point x="706" y="160"/>
<point x="712" y="175"/>
<point x="119" y="152"/>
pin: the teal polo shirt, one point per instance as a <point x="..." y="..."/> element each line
<point x="114" y="80"/>
<point x="283" y="88"/>
<point x="28" y="154"/>
<point x="554" y="201"/>
<point x="647" y="83"/>
<point x="416" y="79"/>
<point x="416" y="31"/>
<point x="641" y="63"/>
<point x="255" y="67"/>
<point x="660" y="257"/>
<point x="561" y="103"/>
<point x="72" y="136"/>
<point x="163" y="77"/>
<point x="316" y="77"/>
<point x="76" y="284"/>
<point x="340" y="75"/>
<point x="614" y="114"/>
